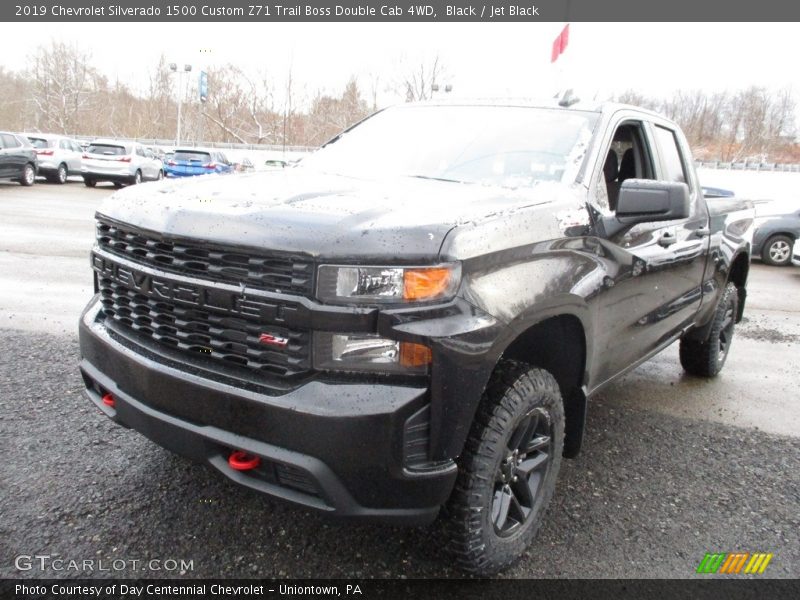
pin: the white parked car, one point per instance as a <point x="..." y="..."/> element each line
<point x="121" y="163"/>
<point x="59" y="156"/>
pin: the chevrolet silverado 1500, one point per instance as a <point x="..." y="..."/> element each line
<point x="409" y="322"/>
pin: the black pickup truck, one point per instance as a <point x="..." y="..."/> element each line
<point x="408" y="323"/>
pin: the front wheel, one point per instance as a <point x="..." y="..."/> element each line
<point x="706" y="358"/>
<point x="28" y="175"/>
<point x="89" y="182"/>
<point x="508" y="471"/>
<point x="777" y="251"/>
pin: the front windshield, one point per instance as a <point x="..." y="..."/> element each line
<point x="489" y="145"/>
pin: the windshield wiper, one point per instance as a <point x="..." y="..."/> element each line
<point x="437" y="178"/>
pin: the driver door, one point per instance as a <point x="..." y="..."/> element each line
<point x="653" y="290"/>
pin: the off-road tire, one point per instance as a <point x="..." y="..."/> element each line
<point x="515" y="391"/>
<point x="705" y="358"/>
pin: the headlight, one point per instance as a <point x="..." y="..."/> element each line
<point x="361" y="352"/>
<point x="387" y="284"/>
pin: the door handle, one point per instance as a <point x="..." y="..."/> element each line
<point x="667" y="239"/>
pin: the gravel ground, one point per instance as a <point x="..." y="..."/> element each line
<point x="650" y="494"/>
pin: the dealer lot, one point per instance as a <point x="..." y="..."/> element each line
<point x="673" y="466"/>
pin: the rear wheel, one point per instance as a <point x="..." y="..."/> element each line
<point x="707" y="357"/>
<point x="61" y="174"/>
<point x="137" y="178"/>
<point x="777" y="250"/>
<point x="28" y="175"/>
<point x="508" y="471"/>
<point x="160" y="176"/>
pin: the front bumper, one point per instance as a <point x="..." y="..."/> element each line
<point x="332" y="445"/>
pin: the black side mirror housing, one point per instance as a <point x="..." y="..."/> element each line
<point x="647" y="201"/>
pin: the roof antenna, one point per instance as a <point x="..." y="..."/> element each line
<point x="568" y="99"/>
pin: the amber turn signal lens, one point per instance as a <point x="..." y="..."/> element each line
<point x="414" y="355"/>
<point x="420" y="284"/>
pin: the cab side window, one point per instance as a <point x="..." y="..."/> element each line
<point x="629" y="157"/>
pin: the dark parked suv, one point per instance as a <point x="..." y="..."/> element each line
<point x="17" y="158"/>
<point x="413" y="318"/>
<point x="776" y="229"/>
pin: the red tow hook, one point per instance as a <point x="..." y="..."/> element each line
<point x="243" y="461"/>
<point x="108" y="400"/>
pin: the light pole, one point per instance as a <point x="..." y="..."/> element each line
<point x="174" y="68"/>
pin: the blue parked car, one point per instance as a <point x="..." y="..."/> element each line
<point x="191" y="162"/>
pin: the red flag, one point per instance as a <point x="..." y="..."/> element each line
<point x="560" y="44"/>
<point x="564" y="38"/>
<point x="556" y="49"/>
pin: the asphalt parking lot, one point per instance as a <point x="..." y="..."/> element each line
<point x="673" y="466"/>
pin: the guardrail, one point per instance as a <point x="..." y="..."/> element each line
<point x="749" y="166"/>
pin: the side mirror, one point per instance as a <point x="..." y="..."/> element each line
<point x="647" y="201"/>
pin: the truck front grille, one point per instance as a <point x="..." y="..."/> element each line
<point x="206" y="334"/>
<point x="273" y="272"/>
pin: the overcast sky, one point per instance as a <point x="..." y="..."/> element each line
<point x="483" y="59"/>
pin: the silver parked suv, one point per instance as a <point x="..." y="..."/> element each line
<point x="59" y="156"/>
<point x="122" y="163"/>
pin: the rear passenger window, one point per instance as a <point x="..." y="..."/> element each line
<point x="673" y="163"/>
<point x="9" y="141"/>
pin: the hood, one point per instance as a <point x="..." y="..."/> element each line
<point x="297" y="210"/>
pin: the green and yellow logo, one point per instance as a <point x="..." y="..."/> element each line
<point x="734" y="563"/>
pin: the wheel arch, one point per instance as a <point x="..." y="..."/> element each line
<point x="558" y="344"/>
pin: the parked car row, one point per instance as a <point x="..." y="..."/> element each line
<point x="25" y="156"/>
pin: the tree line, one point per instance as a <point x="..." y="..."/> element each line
<point x="60" y="91"/>
<point x="752" y="124"/>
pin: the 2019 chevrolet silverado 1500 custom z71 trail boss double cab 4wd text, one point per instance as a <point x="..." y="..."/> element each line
<point x="410" y="321"/>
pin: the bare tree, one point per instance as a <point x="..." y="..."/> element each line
<point x="64" y="86"/>
<point x="417" y="82"/>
